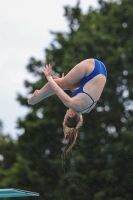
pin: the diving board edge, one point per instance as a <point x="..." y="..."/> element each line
<point x="12" y="192"/>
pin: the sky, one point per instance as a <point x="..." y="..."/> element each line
<point x="25" y="27"/>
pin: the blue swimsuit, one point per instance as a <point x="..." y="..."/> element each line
<point x="98" y="69"/>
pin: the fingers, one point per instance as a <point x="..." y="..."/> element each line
<point x="54" y="77"/>
<point x="47" y="70"/>
<point x="48" y="67"/>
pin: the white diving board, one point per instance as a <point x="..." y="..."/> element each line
<point x="12" y="192"/>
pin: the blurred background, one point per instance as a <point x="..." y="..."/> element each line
<point x="63" y="33"/>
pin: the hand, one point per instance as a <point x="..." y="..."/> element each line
<point x="47" y="70"/>
<point x="56" y="77"/>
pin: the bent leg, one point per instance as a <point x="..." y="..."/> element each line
<point x="81" y="70"/>
<point x="71" y="81"/>
<point x="47" y="91"/>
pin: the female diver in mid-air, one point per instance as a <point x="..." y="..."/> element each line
<point x="86" y="80"/>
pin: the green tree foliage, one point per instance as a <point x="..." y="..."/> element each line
<point x="8" y="154"/>
<point x="102" y="161"/>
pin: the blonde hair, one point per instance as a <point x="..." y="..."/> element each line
<point x="70" y="129"/>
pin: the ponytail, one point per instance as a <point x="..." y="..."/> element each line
<point x="71" y="140"/>
<point x="70" y="129"/>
